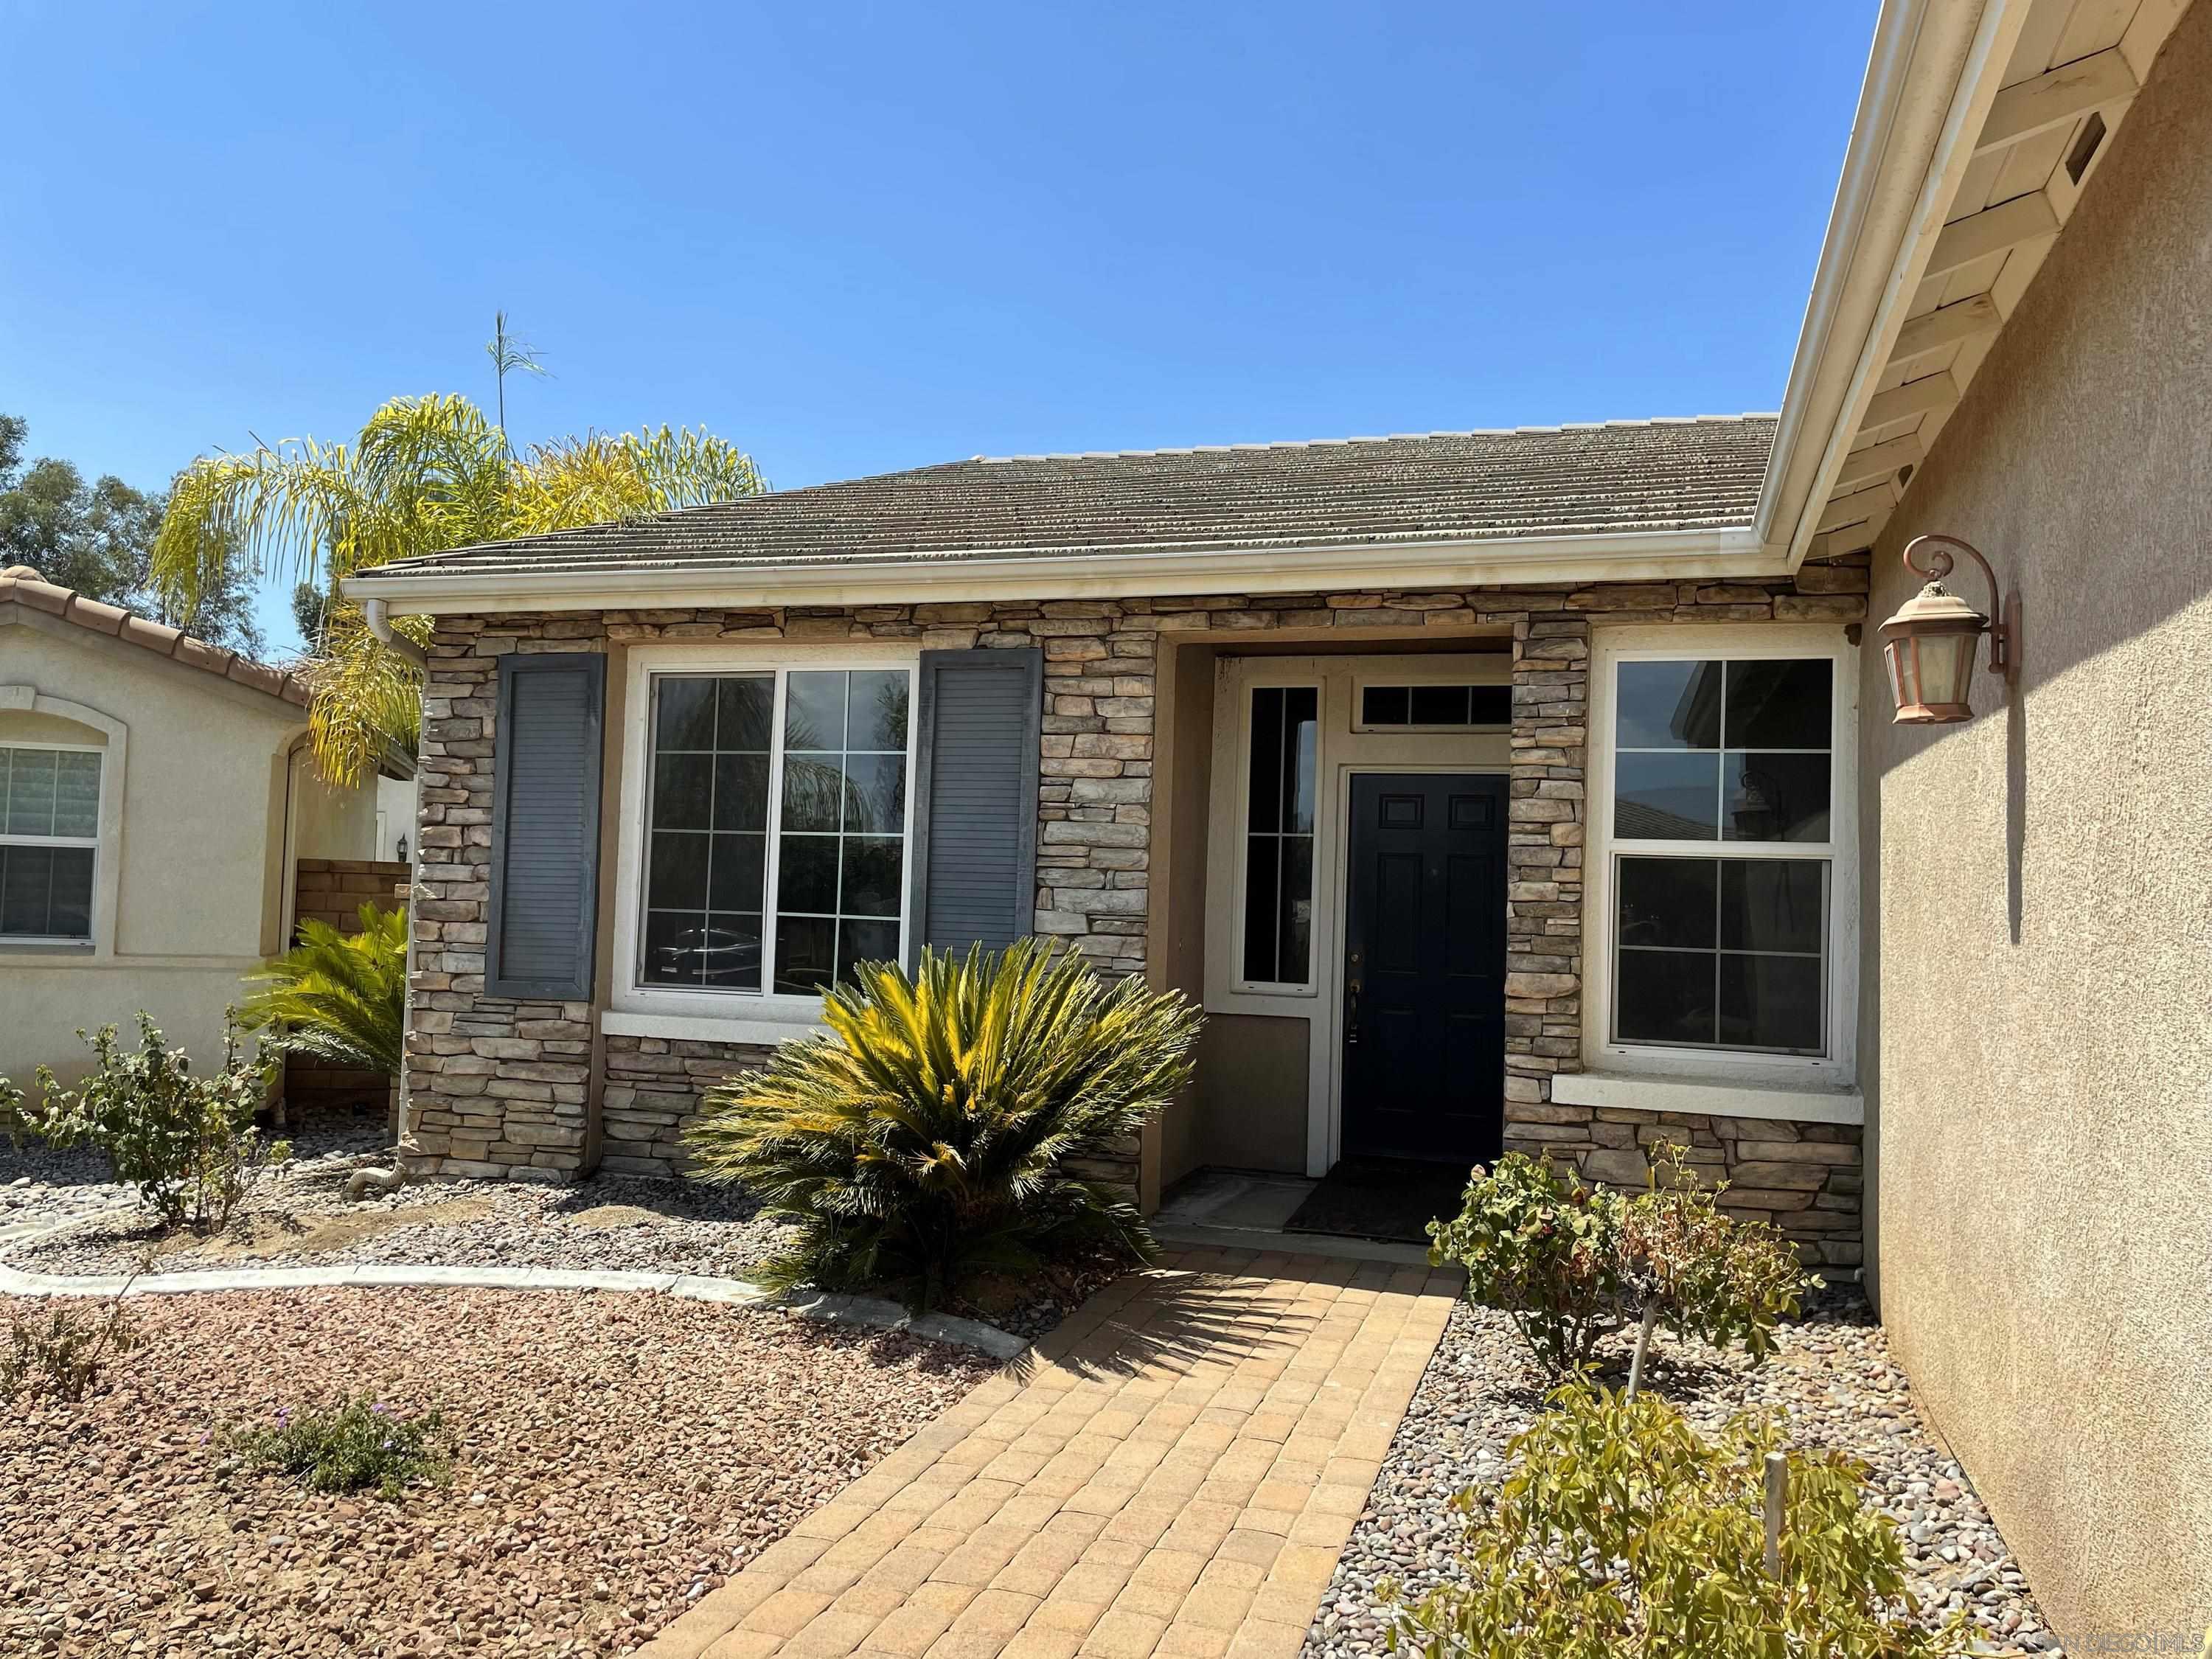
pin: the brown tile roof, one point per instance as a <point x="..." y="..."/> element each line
<point x="21" y="585"/>
<point x="1703" y="473"/>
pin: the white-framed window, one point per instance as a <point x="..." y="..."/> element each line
<point x="50" y="816"/>
<point x="1279" y="796"/>
<point x="1723" y="874"/>
<point x="766" y="847"/>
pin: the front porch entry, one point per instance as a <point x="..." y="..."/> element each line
<point x="1353" y="965"/>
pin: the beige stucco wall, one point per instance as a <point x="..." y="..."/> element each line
<point x="198" y="855"/>
<point x="2038" y="1061"/>
<point x="1249" y="1103"/>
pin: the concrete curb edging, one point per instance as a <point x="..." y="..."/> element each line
<point x="873" y="1312"/>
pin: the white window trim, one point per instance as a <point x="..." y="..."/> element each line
<point x="1242" y="686"/>
<point x="108" y="844"/>
<point x="1836" y="1070"/>
<point x="726" y="1016"/>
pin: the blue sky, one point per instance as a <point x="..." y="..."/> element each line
<point x="856" y="238"/>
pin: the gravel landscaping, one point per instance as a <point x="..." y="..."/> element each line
<point x="1833" y="1380"/>
<point x="301" y="1216"/>
<point x="615" y="1456"/>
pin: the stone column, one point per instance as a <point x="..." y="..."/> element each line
<point x="1544" y="897"/>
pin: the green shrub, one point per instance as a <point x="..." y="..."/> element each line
<point x="1624" y="1533"/>
<point x="185" y="1141"/>
<point x="1573" y="1266"/>
<point x="1540" y="1244"/>
<point x="361" y="1443"/>
<point x="926" y="1141"/>
<point x="1704" y="1273"/>
<point x="338" y="997"/>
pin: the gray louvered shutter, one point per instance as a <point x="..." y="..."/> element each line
<point x="978" y="715"/>
<point x="545" y="826"/>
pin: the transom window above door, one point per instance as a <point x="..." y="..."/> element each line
<point x="49" y="841"/>
<point x="1722" y="853"/>
<point x="777" y="827"/>
<point x="1426" y="706"/>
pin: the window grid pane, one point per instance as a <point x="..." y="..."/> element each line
<point x="45" y="892"/>
<point x="49" y="822"/>
<point x="1735" y="749"/>
<point x="705" y="875"/>
<point x="841" y="875"/>
<point x="1279" y="806"/>
<point x="1684" y="979"/>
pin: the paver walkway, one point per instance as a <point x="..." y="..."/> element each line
<point x="1174" y="1471"/>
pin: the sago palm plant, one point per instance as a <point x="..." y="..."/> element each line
<point x="341" y="998"/>
<point x="425" y="474"/>
<point x="924" y="1142"/>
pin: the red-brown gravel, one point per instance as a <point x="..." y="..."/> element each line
<point x="616" y="1456"/>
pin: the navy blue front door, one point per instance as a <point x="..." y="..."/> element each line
<point x="1424" y="968"/>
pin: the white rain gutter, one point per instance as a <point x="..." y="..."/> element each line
<point x="1689" y="555"/>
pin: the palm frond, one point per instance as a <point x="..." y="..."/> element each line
<point x="425" y="474"/>
<point x="363" y="698"/>
<point x="283" y="511"/>
<point x="337" y="997"/>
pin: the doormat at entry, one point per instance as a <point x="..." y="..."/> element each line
<point x="1387" y="1197"/>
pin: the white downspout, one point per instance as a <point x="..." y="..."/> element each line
<point x="379" y="618"/>
<point x="378" y="614"/>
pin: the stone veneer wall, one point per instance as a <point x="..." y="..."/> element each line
<point x="500" y="1086"/>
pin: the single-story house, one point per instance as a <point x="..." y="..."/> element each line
<point x="157" y="796"/>
<point x="1530" y="789"/>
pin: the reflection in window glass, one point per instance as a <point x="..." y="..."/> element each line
<point x="839" y="830"/>
<point x="1734" y="750"/>
<point x="49" y="834"/>
<point x="1279" y="836"/>
<point x="707" y="834"/>
<point x="842" y="846"/>
<point x="1726" y="953"/>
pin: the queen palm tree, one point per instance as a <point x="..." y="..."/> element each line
<point x="424" y="475"/>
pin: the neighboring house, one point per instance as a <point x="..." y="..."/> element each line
<point x="156" y="796"/>
<point x="1516" y="789"/>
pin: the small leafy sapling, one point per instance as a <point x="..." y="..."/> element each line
<point x="1572" y="1264"/>
<point x="186" y="1140"/>
<point x="1540" y="1244"/>
<point x="1700" y="1270"/>
<point x="68" y="1353"/>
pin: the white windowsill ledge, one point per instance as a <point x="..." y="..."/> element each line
<point x="690" y="1028"/>
<point x="1667" y="1094"/>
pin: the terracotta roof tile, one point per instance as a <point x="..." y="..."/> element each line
<point x="19" y="585"/>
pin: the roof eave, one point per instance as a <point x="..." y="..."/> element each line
<point x="1688" y="555"/>
<point x="1933" y="72"/>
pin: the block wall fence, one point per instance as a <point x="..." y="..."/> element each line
<point x="502" y="1087"/>
<point x="334" y="890"/>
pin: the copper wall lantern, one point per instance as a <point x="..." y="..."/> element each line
<point x="1929" y="644"/>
